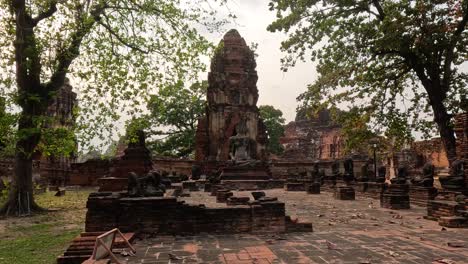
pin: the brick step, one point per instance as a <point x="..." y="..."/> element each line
<point x="82" y="247"/>
<point x="72" y="259"/>
<point x="463" y="213"/>
<point x="78" y="253"/>
<point x="453" y="221"/>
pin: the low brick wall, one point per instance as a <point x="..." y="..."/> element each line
<point x="164" y="215"/>
<point x="88" y="173"/>
<point x="422" y="195"/>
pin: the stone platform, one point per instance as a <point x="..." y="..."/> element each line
<point x="448" y="211"/>
<point x="251" y="185"/>
<point x="396" y="196"/>
<point x="344" y="232"/>
<point x="168" y="215"/>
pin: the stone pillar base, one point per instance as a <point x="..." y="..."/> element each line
<point x="396" y="197"/>
<point x="422" y="195"/>
<point x="313" y="188"/>
<point x="345" y="193"/>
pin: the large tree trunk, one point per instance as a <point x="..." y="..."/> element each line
<point x="21" y="196"/>
<point x="442" y="118"/>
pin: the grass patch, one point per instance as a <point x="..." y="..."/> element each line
<point x="42" y="237"/>
<point x="40" y="245"/>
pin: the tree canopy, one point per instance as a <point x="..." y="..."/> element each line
<point x="397" y="61"/>
<point x="115" y="53"/>
<point x="274" y="122"/>
<point x="173" y="118"/>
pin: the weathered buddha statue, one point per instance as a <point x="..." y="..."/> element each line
<point x="381" y="173"/>
<point x="371" y="170"/>
<point x="242" y="147"/>
<point x="147" y="186"/>
<point x="427" y="179"/>
<point x="456" y="179"/>
<point x="315" y="173"/>
<point x="335" y="172"/>
<point x="196" y="172"/>
<point x="349" y="170"/>
<point x="364" y="173"/>
<point x="402" y="175"/>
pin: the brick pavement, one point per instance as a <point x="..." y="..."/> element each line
<point x="344" y="232"/>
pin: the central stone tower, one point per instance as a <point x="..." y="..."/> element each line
<point x="231" y="129"/>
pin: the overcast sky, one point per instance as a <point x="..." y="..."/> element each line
<point x="275" y="87"/>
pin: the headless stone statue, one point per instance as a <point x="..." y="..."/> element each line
<point x="382" y="171"/>
<point x="349" y="171"/>
<point x="427" y="179"/>
<point x="147" y="186"/>
<point x="370" y="170"/>
<point x="315" y="173"/>
<point x="322" y="176"/>
<point x="402" y="175"/>
<point x="456" y="180"/>
<point x="134" y="185"/>
<point x="196" y="172"/>
<point x="335" y="172"/>
<point x="364" y="173"/>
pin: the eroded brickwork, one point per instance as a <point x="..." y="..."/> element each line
<point x="313" y="139"/>
<point x="55" y="170"/>
<point x="232" y="98"/>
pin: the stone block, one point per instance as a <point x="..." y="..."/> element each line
<point x="345" y="193"/>
<point x="313" y="188"/>
<point x="422" y="195"/>
<point x="238" y="200"/>
<point x="223" y="195"/>
<point x="190" y="186"/>
<point x="453" y="221"/>
<point x="258" y="195"/>
<point x="294" y="187"/>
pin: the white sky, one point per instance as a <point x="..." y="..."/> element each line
<point x="275" y="87"/>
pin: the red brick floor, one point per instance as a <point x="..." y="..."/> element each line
<point x="344" y="232"/>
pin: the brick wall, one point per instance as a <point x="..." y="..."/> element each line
<point x="168" y="216"/>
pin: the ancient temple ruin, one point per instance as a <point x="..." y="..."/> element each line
<point x="232" y="100"/>
<point x="313" y="138"/>
<point x="55" y="170"/>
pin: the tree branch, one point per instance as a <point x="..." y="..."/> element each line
<point x="379" y="9"/>
<point x="46" y="13"/>
<point x="120" y="39"/>
<point x="66" y="57"/>
<point x="450" y="49"/>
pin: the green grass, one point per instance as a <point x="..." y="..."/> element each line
<point x="41" y="238"/>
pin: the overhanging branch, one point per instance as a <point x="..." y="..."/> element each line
<point x="453" y="42"/>
<point x="46" y="13"/>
